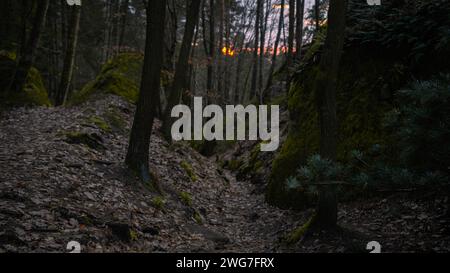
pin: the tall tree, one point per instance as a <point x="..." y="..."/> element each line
<point x="181" y="69"/>
<point x="262" y="46"/>
<point x="300" y="14"/>
<point x="276" y="46"/>
<point x="221" y="57"/>
<point x="6" y="23"/>
<point x="317" y="14"/>
<point x="116" y="27"/>
<point x="326" y="97"/>
<point x="137" y="158"/>
<point x="123" y="23"/>
<point x="107" y="30"/>
<point x="69" y="59"/>
<point x="170" y="37"/>
<point x="210" y="48"/>
<point x="240" y="44"/>
<point x="227" y="83"/>
<point x="27" y="53"/>
<point x="190" y="79"/>
<point x="170" y="44"/>
<point x="291" y="33"/>
<point x="253" y="87"/>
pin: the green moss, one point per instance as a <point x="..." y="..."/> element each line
<point x="207" y="148"/>
<point x="360" y="113"/>
<point x="280" y="100"/>
<point x="257" y="166"/>
<point x="252" y="165"/>
<point x="166" y="78"/>
<point x="189" y="170"/>
<point x="316" y="45"/>
<point x="255" y="152"/>
<point x="158" y="202"/>
<point x="8" y="54"/>
<point x="120" y="76"/>
<point x="299" y="232"/>
<point x="34" y="92"/>
<point x="234" y="164"/>
<point x="186" y="198"/>
<point x="300" y="142"/>
<point x="133" y="235"/>
<point x="115" y="119"/>
<point x="198" y="218"/>
<point x="93" y="141"/>
<point x="100" y="123"/>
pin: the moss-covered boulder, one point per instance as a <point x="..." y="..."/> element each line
<point x="34" y="92"/>
<point x="120" y="76"/>
<point x="361" y="106"/>
<point x="375" y="64"/>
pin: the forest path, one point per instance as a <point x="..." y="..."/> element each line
<point x="62" y="179"/>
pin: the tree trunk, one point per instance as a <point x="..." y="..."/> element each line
<point x="5" y="23"/>
<point x="189" y="91"/>
<point x="110" y="29"/>
<point x="299" y="29"/>
<point x="123" y="23"/>
<point x="170" y="37"/>
<point x="326" y="96"/>
<point x="22" y="41"/>
<point x="253" y="87"/>
<point x="116" y="26"/>
<point x="170" y="44"/>
<point x="317" y="14"/>
<point x="239" y="44"/>
<point x="221" y="58"/>
<point x="55" y="48"/>
<point x="69" y="59"/>
<point x="212" y="49"/>
<point x="277" y="43"/>
<point x="137" y="158"/>
<point x="64" y="23"/>
<point x="227" y="85"/>
<point x="193" y="11"/>
<point x="291" y="33"/>
<point x="26" y="57"/>
<point x="262" y="46"/>
<point x="107" y="33"/>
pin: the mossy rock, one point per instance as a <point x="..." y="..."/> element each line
<point x="34" y="92"/>
<point x="120" y="76"/>
<point x="93" y="141"/>
<point x="234" y="164"/>
<point x="361" y="109"/>
<point x="115" y="119"/>
<point x="99" y="123"/>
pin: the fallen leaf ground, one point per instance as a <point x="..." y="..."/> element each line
<point x="54" y="190"/>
